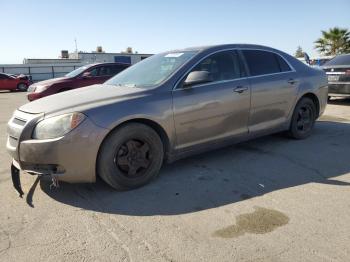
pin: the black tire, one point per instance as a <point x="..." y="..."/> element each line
<point x="22" y="87"/>
<point x="303" y="119"/>
<point x="124" y="151"/>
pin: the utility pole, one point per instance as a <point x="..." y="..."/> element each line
<point x="76" y="46"/>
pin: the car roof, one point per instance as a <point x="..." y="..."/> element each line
<point x="338" y="61"/>
<point x="225" y="46"/>
<point x="106" y="63"/>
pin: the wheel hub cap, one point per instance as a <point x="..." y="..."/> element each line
<point x="133" y="157"/>
<point x="304" y="121"/>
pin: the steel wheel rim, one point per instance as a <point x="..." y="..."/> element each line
<point x="22" y="87"/>
<point x="305" y="119"/>
<point x="133" y="158"/>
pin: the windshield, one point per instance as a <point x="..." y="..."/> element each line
<point x="153" y="70"/>
<point x="77" y="71"/>
<point x="339" y="60"/>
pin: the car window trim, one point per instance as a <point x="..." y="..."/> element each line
<point x="238" y="49"/>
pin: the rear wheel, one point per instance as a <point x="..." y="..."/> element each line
<point x="22" y="87"/>
<point x="303" y="119"/>
<point x="130" y="157"/>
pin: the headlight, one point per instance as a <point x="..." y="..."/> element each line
<point x="39" y="89"/>
<point x="57" y="126"/>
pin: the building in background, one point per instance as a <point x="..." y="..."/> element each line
<point x="96" y="57"/>
<point x="41" y="69"/>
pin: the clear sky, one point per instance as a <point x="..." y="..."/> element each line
<point x="41" y="28"/>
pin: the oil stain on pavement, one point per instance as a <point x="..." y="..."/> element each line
<point x="261" y="221"/>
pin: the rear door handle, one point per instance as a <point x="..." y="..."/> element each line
<point x="240" y="89"/>
<point x="292" y="81"/>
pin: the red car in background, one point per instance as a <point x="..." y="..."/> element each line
<point x="14" y="82"/>
<point x="80" y="77"/>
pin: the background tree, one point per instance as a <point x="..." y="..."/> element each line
<point x="299" y="52"/>
<point x="335" y="41"/>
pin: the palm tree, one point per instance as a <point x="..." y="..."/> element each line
<point x="335" y="41"/>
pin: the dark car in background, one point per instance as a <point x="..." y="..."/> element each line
<point x="83" y="76"/>
<point x="14" y="82"/>
<point x="338" y="73"/>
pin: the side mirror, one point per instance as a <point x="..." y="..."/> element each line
<point x="197" y="77"/>
<point x="86" y="75"/>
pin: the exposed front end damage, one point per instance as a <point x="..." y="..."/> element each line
<point x="69" y="158"/>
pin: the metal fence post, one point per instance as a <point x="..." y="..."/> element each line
<point x="53" y="72"/>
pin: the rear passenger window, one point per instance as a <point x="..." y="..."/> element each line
<point x="283" y="64"/>
<point x="222" y="66"/>
<point x="261" y="62"/>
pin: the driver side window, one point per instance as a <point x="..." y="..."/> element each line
<point x="94" y="71"/>
<point x="221" y="66"/>
<point x="105" y="71"/>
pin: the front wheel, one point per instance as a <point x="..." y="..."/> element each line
<point x="303" y="119"/>
<point x="22" y="87"/>
<point x="130" y="156"/>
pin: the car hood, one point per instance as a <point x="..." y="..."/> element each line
<point x="52" y="81"/>
<point x="81" y="99"/>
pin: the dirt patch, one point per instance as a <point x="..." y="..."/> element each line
<point x="261" y="221"/>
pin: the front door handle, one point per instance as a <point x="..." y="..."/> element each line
<point x="240" y="89"/>
<point x="292" y="81"/>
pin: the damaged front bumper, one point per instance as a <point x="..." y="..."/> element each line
<point x="71" y="158"/>
<point x="15" y="175"/>
<point x="16" y="179"/>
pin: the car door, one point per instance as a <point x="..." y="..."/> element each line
<point x="7" y="82"/>
<point x="273" y="85"/>
<point x="219" y="109"/>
